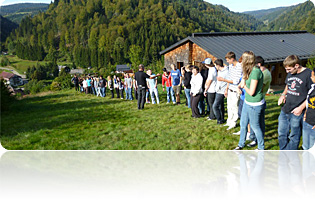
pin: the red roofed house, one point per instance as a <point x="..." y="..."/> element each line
<point x="12" y="79"/>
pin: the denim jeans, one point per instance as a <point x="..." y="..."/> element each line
<point x="187" y="93"/>
<point x="218" y="107"/>
<point x="103" y="92"/>
<point x="154" y="91"/>
<point x="308" y="136"/>
<point x="252" y="115"/>
<point x="202" y="105"/>
<point x="252" y="136"/>
<point x="211" y="99"/>
<point x="170" y="93"/>
<point x="289" y="140"/>
<point x="129" y="94"/>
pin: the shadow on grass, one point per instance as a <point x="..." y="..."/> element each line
<point x="30" y="116"/>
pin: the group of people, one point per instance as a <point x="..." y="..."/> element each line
<point x="97" y="85"/>
<point x="243" y="82"/>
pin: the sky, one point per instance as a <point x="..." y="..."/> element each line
<point x="233" y="5"/>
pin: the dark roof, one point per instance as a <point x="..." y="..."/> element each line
<point x="122" y="68"/>
<point x="272" y="46"/>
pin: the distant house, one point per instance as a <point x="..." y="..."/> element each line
<point x="123" y="69"/>
<point x="67" y="69"/>
<point x="274" y="47"/>
<point x="12" y="79"/>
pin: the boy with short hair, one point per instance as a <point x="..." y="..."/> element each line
<point x="298" y="82"/>
<point x="231" y="92"/>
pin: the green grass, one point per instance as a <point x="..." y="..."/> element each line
<point x="70" y="120"/>
<point x="21" y="65"/>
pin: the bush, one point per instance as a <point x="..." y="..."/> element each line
<point x="61" y="82"/>
<point x="35" y="86"/>
<point x="4" y="61"/>
<point x="6" y="98"/>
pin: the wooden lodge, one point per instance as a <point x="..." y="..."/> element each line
<point x="274" y="47"/>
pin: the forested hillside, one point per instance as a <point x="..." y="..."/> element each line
<point x="16" y="12"/>
<point x="269" y="15"/>
<point x="101" y="32"/>
<point x="301" y="17"/>
<point x="6" y="27"/>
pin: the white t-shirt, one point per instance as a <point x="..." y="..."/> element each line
<point x="212" y="75"/>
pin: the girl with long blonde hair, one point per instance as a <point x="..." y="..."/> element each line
<point x="253" y="108"/>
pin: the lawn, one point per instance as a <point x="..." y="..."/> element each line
<point x="21" y="65"/>
<point x="71" y="120"/>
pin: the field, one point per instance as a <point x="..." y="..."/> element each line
<point x="71" y="120"/>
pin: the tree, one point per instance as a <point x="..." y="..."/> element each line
<point x="135" y="55"/>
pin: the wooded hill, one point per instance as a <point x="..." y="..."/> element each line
<point x="269" y="15"/>
<point x="7" y="27"/>
<point x="101" y="32"/>
<point x="18" y="11"/>
<point x="298" y="17"/>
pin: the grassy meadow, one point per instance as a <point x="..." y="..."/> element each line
<point x="72" y="120"/>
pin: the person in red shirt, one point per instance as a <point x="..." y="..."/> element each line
<point x="166" y="80"/>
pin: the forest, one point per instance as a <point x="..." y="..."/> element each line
<point x="102" y="33"/>
<point x="99" y="33"/>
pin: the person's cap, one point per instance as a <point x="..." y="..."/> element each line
<point x="207" y="61"/>
<point x="164" y="69"/>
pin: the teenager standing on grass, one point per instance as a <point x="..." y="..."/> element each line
<point x="210" y="85"/>
<point x="152" y="85"/>
<point x="309" y="117"/>
<point x="218" y="105"/>
<point x="121" y="88"/>
<point x="111" y="86"/>
<point x="75" y="81"/>
<point x="298" y="83"/>
<point x="252" y="112"/>
<point x="176" y="77"/>
<point x="167" y="81"/>
<point x="141" y="85"/>
<point x="186" y="72"/>
<point x="231" y="92"/>
<point x="195" y="91"/>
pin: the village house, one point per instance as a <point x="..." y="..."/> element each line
<point x="12" y="79"/>
<point x="274" y="47"/>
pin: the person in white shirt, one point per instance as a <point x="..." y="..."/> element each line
<point x="195" y="91"/>
<point x="210" y="86"/>
<point x="231" y="92"/>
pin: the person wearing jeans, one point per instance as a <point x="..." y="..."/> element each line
<point x="309" y="117"/>
<point x="186" y="72"/>
<point x="298" y="83"/>
<point x="210" y="86"/>
<point x="166" y="80"/>
<point x="252" y="112"/>
<point x="218" y="105"/>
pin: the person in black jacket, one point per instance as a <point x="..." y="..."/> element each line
<point x="141" y="85"/>
<point x="75" y="81"/>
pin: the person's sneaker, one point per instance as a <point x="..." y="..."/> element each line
<point x="208" y="118"/>
<point x="237" y="133"/>
<point x="226" y="124"/>
<point x="238" y="148"/>
<point x="167" y="102"/>
<point x="230" y="127"/>
<point x="247" y="136"/>
<point x="252" y="144"/>
<point x="174" y="103"/>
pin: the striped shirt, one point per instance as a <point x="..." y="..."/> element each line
<point x="235" y="75"/>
